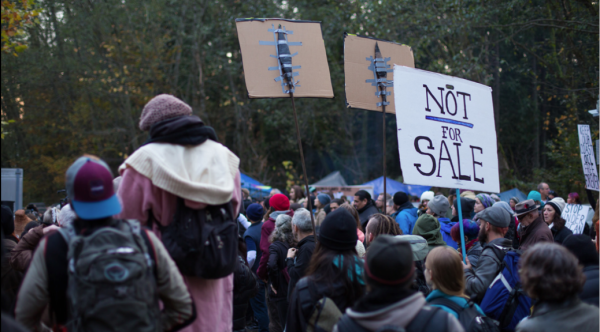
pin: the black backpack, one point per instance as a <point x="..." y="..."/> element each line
<point x="203" y="243"/>
<point x="429" y="319"/>
<point x="471" y="319"/>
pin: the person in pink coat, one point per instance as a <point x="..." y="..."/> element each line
<point x="182" y="158"/>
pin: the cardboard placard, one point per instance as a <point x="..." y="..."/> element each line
<point x="359" y="93"/>
<point x="586" y="148"/>
<point x="575" y="216"/>
<point x="313" y="74"/>
<point x="347" y="191"/>
<point x="446" y="131"/>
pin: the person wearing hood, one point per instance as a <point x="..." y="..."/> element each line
<point x="533" y="228"/>
<point x="482" y="202"/>
<point x="406" y="215"/>
<point x="182" y="159"/>
<point x="437" y="207"/>
<point x="471" y="240"/>
<point x="21" y="220"/>
<point x="512" y="226"/>
<point x="419" y="248"/>
<point x="552" y="216"/>
<point x="584" y="249"/>
<point x="390" y="301"/>
<point x="466" y="205"/>
<point x="334" y="272"/>
<point x="321" y="203"/>
<point x="493" y="227"/>
<point x="365" y="207"/>
<point x="429" y="228"/>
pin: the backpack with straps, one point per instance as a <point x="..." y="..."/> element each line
<point x="505" y="300"/>
<point x="203" y="243"/>
<point x="429" y="319"/>
<point x="324" y="312"/>
<point x="469" y="317"/>
<point x="112" y="284"/>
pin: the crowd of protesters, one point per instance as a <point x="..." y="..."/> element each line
<point x="174" y="243"/>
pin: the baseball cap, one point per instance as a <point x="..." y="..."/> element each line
<point x="90" y="189"/>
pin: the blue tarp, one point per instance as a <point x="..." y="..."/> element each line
<point x="395" y="186"/>
<point x="253" y="186"/>
<point x="514" y="192"/>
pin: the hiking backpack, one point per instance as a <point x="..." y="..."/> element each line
<point x="203" y="243"/>
<point x="469" y="317"/>
<point x="112" y="284"/>
<point x="505" y="300"/>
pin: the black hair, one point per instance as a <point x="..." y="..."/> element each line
<point x="8" y="221"/>
<point x="363" y="194"/>
<point x="29" y="226"/>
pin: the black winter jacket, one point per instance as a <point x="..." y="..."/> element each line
<point x="366" y="212"/>
<point x="277" y="270"/>
<point x="245" y="287"/>
<point x="589" y="294"/>
<point x="560" y="235"/>
<point x="297" y="266"/>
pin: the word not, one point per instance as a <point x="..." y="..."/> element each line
<point x="440" y="103"/>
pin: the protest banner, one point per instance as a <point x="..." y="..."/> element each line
<point x="348" y="191"/>
<point x="575" y="216"/>
<point x="275" y="54"/>
<point x="446" y="131"/>
<point x="358" y="51"/>
<point x="586" y="149"/>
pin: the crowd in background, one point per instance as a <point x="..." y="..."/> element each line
<point x="348" y="265"/>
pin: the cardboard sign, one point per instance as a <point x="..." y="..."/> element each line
<point x="446" y="131"/>
<point x="259" y="57"/>
<point x="347" y="191"/>
<point x="575" y="216"/>
<point x="586" y="148"/>
<point x="357" y="49"/>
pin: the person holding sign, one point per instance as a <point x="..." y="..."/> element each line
<point x="552" y="211"/>
<point x="533" y="228"/>
<point x="494" y="225"/>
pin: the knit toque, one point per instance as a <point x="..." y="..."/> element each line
<point x="558" y="204"/>
<point x="338" y="231"/>
<point x="439" y="205"/>
<point x="255" y="212"/>
<point x="161" y="108"/>
<point x="279" y="202"/>
<point x="389" y="261"/>
<point x="400" y="198"/>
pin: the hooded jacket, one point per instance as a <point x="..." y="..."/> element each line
<point x="277" y="271"/>
<point x="446" y="226"/>
<point x="429" y="228"/>
<point x="372" y="315"/>
<point x="21" y="255"/>
<point x="535" y="232"/>
<point x="488" y="267"/>
<point x="296" y="267"/>
<point x="406" y="217"/>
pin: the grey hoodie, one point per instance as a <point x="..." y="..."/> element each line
<point x="399" y="314"/>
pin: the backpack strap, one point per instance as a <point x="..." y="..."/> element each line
<point x="429" y="319"/>
<point x="448" y="303"/>
<point x="348" y="324"/>
<point x="151" y="251"/>
<point x="55" y="255"/>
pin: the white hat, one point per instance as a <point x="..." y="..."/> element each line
<point x="558" y="204"/>
<point x="427" y="196"/>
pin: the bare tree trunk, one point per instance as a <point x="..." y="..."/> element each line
<point x="536" y="117"/>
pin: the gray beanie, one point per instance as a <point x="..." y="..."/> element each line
<point x="439" y="205"/>
<point x="161" y="108"/>
<point x="496" y="215"/>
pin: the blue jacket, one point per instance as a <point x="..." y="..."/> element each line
<point x="446" y="225"/>
<point x="407" y="219"/>
<point x="436" y="293"/>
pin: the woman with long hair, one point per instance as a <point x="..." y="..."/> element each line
<point x="445" y="277"/>
<point x="552" y="216"/>
<point x="334" y="272"/>
<point x="297" y="195"/>
<point x="281" y="240"/>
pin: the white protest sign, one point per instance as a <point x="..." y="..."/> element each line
<point x="587" y="158"/>
<point x="446" y="131"/>
<point x="575" y="215"/>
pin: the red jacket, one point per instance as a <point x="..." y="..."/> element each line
<point x="267" y="228"/>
